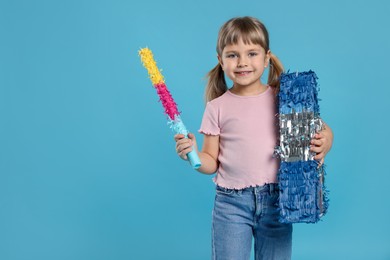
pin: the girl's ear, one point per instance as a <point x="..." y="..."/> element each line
<point x="220" y="61"/>
<point x="267" y="58"/>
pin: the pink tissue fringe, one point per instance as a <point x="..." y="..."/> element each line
<point x="167" y="100"/>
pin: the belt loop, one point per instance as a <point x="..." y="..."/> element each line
<point x="271" y="188"/>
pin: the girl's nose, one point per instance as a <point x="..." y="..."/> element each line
<point x="242" y="62"/>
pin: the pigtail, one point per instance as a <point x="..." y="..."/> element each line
<point x="275" y="70"/>
<point x="216" y="84"/>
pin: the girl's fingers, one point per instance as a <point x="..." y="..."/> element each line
<point x="183" y="153"/>
<point x="183" y="143"/>
<point x="319" y="145"/>
<point x="178" y="137"/>
<point x="319" y="156"/>
<point x="317" y="142"/>
<point x="319" y="135"/>
<point x="182" y="147"/>
<point x="316" y="149"/>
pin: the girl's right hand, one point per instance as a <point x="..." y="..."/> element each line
<point x="185" y="145"/>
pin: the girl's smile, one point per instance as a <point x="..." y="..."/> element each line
<point x="242" y="73"/>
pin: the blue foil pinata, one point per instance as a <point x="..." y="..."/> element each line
<point x="303" y="197"/>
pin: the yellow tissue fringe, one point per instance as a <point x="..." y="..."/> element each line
<point x="150" y="64"/>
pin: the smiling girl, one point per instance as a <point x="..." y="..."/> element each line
<point x="240" y="132"/>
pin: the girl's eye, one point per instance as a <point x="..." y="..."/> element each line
<point x="230" y="56"/>
<point x="252" y="54"/>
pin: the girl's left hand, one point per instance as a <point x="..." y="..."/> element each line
<point x="321" y="144"/>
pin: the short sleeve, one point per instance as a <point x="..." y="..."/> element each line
<point x="210" y="122"/>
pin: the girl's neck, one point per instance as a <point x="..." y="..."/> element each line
<point x="248" y="91"/>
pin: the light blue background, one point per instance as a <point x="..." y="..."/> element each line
<point x="88" y="168"/>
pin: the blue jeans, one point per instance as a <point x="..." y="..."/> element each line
<point x="239" y="215"/>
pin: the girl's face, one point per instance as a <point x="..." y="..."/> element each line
<point x="244" y="64"/>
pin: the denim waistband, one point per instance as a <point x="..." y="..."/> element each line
<point x="269" y="187"/>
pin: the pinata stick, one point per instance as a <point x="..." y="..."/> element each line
<point x="174" y="120"/>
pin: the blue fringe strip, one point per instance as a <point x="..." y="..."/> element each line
<point x="303" y="196"/>
<point x="298" y="91"/>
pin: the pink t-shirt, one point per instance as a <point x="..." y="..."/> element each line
<point x="247" y="129"/>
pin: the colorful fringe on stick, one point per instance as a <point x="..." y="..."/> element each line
<point x="174" y="120"/>
<point x="303" y="197"/>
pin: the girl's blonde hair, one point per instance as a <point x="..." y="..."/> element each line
<point x="250" y="30"/>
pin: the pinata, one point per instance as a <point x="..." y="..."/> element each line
<point x="303" y="196"/>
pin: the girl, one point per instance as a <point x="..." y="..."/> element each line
<point x="240" y="133"/>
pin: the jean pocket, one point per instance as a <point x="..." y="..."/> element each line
<point x="224" y="191"/>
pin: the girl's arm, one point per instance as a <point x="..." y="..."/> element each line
<point x="209" y="154"/>
<point x="322" y="143"/>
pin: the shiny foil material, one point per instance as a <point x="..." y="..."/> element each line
<point x="296" y="131"/>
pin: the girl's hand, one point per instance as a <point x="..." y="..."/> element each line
<point x="185" y="145"/>
<point x="321" y="144"/>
